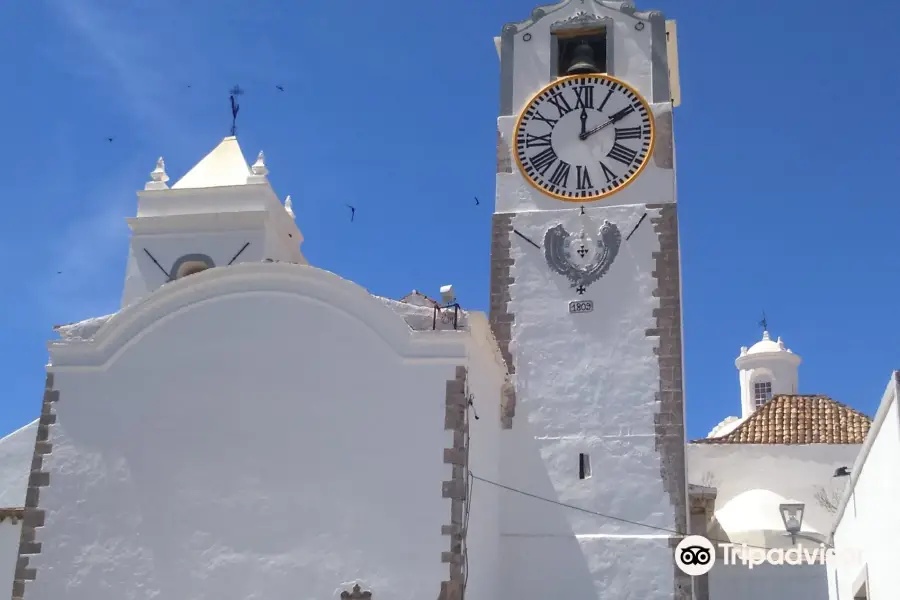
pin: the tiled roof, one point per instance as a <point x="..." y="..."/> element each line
<point x="790" y="419"/>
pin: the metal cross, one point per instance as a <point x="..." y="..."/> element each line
<point x="580" y="289"/>
<point x="582" y="251"/>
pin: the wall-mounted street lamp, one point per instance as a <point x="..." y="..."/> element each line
<point x="792" y="516"/>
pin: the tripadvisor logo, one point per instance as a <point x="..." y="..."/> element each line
<point x="695" y="555"/>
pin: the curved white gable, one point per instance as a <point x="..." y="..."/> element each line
<point x="133" y="322"/>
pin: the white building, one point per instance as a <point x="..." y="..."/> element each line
<point x="251" y="426"/>
<point x="785" y="448"/>
<point x="866" y="534"/>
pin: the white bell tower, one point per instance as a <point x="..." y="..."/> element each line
<point x="767" y="368"/>
<point x="221" y="212"/>
<point x="586" y="306"/>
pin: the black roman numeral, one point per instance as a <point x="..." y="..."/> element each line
<point x="539" y="117"/>
<point x="628" y="133"/>
<point x="532" y="141"/>
<point x="609" y="174"/>
<point x="560" y="175"/>
<point x="584" y="96"/>
<point x="605" y="100"/>
<point x="559" y="101"/>
<point x="622" y="154"/>
<point x="582" y="178"/>
<point x="542" y="160"/>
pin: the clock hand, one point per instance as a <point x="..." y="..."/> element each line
<point x="591" y="132"/>
<point x="614" y="118"/>
<point x="583" y="122"/>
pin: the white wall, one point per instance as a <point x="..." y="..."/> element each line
<point x="867" y="534"/>
<point x="585" y="383"/>
<point x="16" y="452"/>
<point x="783" y="374"/>
<point x="486" y="371"/>
<point x="9" y="552"/>
<point x="218" y="442"/>
<point x="753" y="479"/>
<point x="631" y="56"/>
<point x="216" y="222"/>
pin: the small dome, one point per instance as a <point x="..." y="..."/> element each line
<point x="728" y="425"/>
<point x="765" y="345"/>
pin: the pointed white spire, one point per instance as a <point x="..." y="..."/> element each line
<point x="258" y="170"/>
<point x="224" y="166"/>
<point x="158" y="177"/>
<point x="289" y="206"/>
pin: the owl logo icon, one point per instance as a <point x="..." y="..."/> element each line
<point x="695" y="555"/>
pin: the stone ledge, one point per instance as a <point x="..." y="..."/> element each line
<point x="456" y="488"/>
<point x="32" y="515"/>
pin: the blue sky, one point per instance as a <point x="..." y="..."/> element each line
<point x="786" y="146"/>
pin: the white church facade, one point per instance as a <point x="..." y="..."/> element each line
<point x="248" y="425"/>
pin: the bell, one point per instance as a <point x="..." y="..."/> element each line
<point x="583" y="60"/>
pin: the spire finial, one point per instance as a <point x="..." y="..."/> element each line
<point x="289" y="206"/>
<point x="259" y="167"/>
<point x="764" y="323"/>
<point x="235" y="107"/>
<point x="158" y="177"/>
<point x="258" y="171"/>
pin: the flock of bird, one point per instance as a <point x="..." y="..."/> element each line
<point x="236" y="91"/>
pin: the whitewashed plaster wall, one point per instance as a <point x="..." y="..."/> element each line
<point x="782" y="374"/>
<point x="526" y="51"/>
<point x="16" y="451"/>
<point x="526" y="68"/>
<point x="216" y="222"/>
<point x="585" y="383"/>
<point x="260" y="431"/>
<point x="486" y="376"/>
<point x="9" y="551"/>
<point x="753" y="479"/>
<point x="867" y="532"/>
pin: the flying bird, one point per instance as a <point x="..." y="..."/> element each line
<point x="352" y="211"/>
<point x="279" y="88"/>
<point x="476" y="201"/>
<point x="109" y="139"/>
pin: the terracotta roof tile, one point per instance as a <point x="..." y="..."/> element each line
<point x="794" y="419"/>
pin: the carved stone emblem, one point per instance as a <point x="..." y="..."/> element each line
<point x="580" y="19"/>
<point x="356" y="594"/>
<point x="582" y="258"/>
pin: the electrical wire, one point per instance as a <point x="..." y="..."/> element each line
<point x="605" y="516"/>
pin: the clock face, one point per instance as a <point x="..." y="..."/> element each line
<point x="584" y="137"/>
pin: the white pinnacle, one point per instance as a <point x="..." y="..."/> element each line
<point x="289" y="206"/>
<point x="158" y="177"/>
<point x="259" y="167"/>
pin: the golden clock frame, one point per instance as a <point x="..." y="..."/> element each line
<point x="625" y="183"/>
